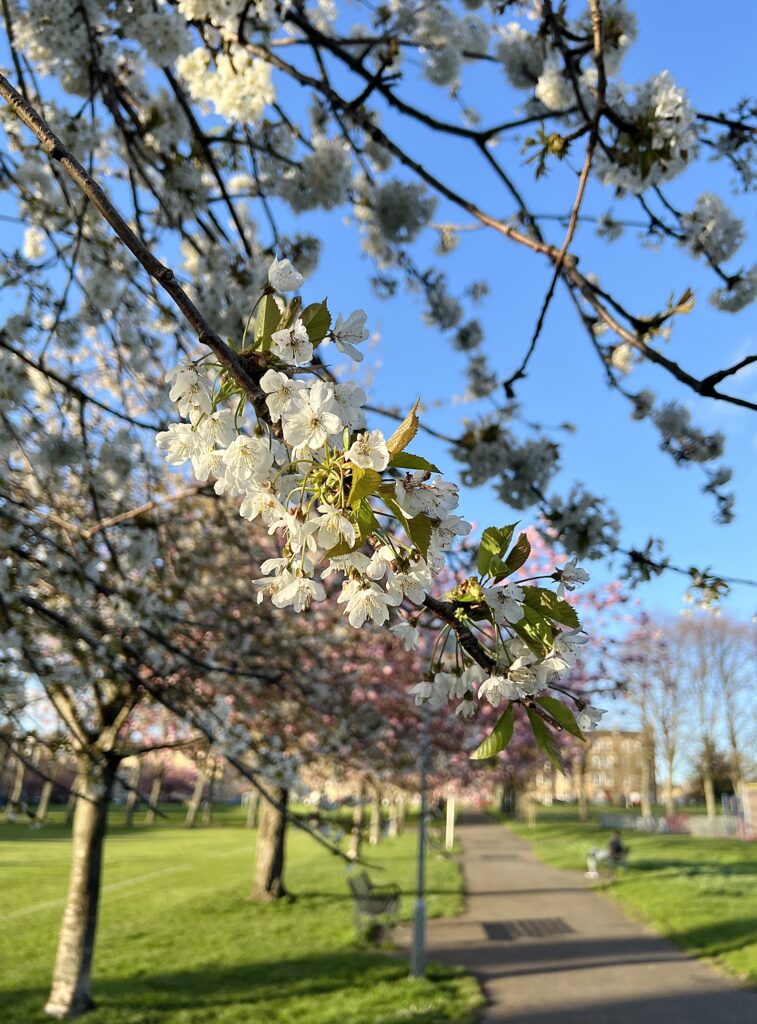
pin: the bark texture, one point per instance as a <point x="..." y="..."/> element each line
<point x="268" y="883"/>
<point x="71" y="993"/>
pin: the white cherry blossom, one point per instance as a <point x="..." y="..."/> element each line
<point x="282" y="276"/>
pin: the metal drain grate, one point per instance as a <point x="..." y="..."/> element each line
<point x="531" y="928"/>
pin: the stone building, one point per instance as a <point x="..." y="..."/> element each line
<point x="614" y="766"/>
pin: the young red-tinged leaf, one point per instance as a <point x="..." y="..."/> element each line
<point x="497" y="739"/>
<point x="561" y="714"/>
<point x="545" y="740"/>
<point x="548" y="603"/>
<point x="404" y="433"/>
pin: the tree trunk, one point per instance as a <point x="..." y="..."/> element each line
<point x="648" y="780"/>
<point x="374" y="830"/>
<point x="669" y="801"/>
<point x="132" y="795"/>
<point x="579" y="773"/>
<point x="44" y="800"/>
<point x="253" y="807"/>
<point x="155" y="788"/>
<point x="393" y="826"/>
<point x="194" y="804"/>
<point x="268" y="883"/>
<point x="70" y="807"/>
<point x="356" y="832"/>
<point x="70" y="994"/>
<point x="709" y="792"/>
<point x="14" y="800"/>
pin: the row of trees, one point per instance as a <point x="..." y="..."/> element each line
<point x="691" y="680"/>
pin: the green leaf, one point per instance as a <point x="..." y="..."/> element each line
<point x="266" y="322"/>
<point x="536" y="631"/>
<point x="404" y="433"/>
<point x="407" y="461"/>
<point x="317" y="321"/>
<point x="364" y="483"/>
<point x="561" y="714"/>
<point x="494" y="543"/>
<point x="419" y="529"/>
<point x="290" y="314"/>
<point x="548" y="603"/>
<point x="517" y="557"/>
<point x="497" y="739"/>
<point x="545" y="740"/>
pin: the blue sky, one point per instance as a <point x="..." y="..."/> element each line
<point x="615" y="457"/>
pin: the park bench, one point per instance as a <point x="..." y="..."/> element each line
<point x="374" y="904"/>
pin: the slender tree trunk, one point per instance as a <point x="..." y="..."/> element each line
<point x="194" y="804"/>
<point x="155" y="788"/>
<point x="392" y="829"/>
<point x="268" y="884"/>
<point x="132" y="795"/>
<point x="253" y="807"/>
<point x="669" y="801"/>
<point x="44" y="800"/>
<point x="401" y="814"/>
<point x="374" y="831"/>
<point x="709" y="792"/>
<point x="579" y="776"/>
<point x="14" y="800"/>
<point x="356" y="832"/>
<point x="70" y="994"/>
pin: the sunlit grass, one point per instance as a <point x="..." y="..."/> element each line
<point x="179" y="942"/>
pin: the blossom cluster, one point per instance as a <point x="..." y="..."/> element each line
<point x="352" y="507"/>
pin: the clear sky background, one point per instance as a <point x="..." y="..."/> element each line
<point x="616" y="457"/>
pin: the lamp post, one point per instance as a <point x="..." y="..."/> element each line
<point x="418" y="950"/>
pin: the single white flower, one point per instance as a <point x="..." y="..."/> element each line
<point x="334" y="528"/>
<point x="416" y="493"/>
<point x="349" y="400"/>
<point x="421" y="691"/>
<point x="282" y="276"/>
<point x="350" y="332"/>
<point x="248" y="460"/>
<point x="497" y="688"/>
<point x="466" y="708"/>
<point x="179" y="443"/>
<point x="505" y="602"/>
<point x="355" y="561"/>
<point x="292" y="344"/>
<point x="298" y="592"/>
<point x="570" y="577"/>
<point x="261" y="501"/>
<point x="365" y="600"/>
<point x="313" y="420"/>
<point x="191" y="391"/>
<point x="565" y="650"/>
<point x="408" y="635"/>
<point x="369" y="451"/>
<point x="217" y="429"/>
<point x="446" y="530"/>
<point x="282" y="392"/>
<point x="413" y="584"/>
<point x="589" y="717"/>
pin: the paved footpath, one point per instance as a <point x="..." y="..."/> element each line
<point x="548" y="950"/>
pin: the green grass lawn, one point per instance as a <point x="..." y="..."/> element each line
<point x="701" y="893"/>
<point x="178" y="941"/>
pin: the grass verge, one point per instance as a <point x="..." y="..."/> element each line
<point x="179" y="943"/>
